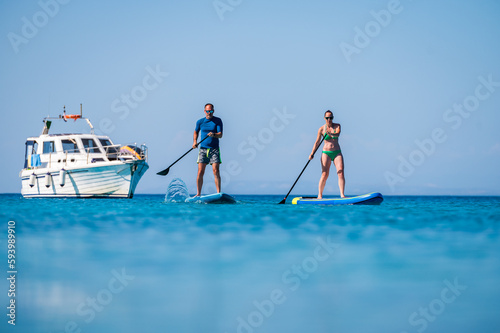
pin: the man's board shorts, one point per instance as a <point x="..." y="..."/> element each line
<point x="209" y="155"/>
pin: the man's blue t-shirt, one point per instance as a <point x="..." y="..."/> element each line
<point x="206" y="126"/>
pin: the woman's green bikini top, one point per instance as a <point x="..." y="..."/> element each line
<point x="328" y="137"/>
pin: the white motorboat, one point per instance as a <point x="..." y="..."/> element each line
<point x="80" y="165"/>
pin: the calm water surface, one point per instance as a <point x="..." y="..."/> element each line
<point x="412" y="264"/>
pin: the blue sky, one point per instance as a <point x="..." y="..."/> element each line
<point x="271" y="68"/>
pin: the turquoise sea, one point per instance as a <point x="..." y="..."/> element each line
<point x="412" y="264"/>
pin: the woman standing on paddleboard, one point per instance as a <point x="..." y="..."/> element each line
<point x="331" y="153"/>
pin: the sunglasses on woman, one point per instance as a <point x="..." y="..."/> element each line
<point x="328" y="118"/>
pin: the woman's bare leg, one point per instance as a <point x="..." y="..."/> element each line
<point x="339" y="164"/>
<point x="326" y="162"/>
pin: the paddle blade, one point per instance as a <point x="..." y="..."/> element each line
<point x="282" y="201"/>
<point x="163" y="172"/>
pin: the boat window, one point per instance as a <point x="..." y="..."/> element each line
<point x="111" y="152"/>
<point x="48" y="147"/>
<point x="31" y="147"/>
<point x="69" y="146"/>
<point x="90" y="145"/>
<point x="105" y="142"/>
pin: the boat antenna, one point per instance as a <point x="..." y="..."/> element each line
<point x="81" y="113"/>
<point x="64" y="113"/>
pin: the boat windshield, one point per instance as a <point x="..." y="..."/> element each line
<point x="105" y="142"/>
<point x="90" y="146"/>
<point x="110" y="150"/>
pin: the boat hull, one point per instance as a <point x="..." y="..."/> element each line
<point x="110" y="180"/>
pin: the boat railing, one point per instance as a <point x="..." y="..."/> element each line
<point x="129" y="151"/>
<point x="144" y="149"/>
<point x="112" y="152"/>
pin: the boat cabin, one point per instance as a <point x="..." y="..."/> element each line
<point x="53" y="150"/>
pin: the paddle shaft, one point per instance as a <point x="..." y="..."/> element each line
<point x="315" y="150"/>
<point x="164" y="172"/>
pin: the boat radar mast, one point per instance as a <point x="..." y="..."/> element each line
<point x="48" y="120"/>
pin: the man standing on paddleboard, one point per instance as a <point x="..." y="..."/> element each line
<point x="330" y="131"/>
<point x="211" y="131"/>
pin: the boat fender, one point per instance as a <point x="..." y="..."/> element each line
<point x="32" y="179"/>
<point x="62" y="177"/>
<point x="48" y="180"/>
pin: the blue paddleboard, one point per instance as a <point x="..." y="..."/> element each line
<point x="219" y="198"/>
<point x="374" y="198"/>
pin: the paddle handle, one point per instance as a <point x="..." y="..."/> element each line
<point x="315" y="150"/>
